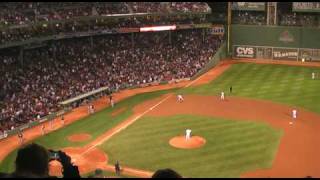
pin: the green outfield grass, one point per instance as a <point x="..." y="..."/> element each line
<point x="232" y="147"/>
<point x="291" y="85"/>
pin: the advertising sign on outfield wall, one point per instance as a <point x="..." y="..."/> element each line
<point x="285" y="54"/>
<point x="309" y="54"/>
<point x="244" y="52"/>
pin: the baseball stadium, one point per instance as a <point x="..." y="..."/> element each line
<point x="160" y="89"/>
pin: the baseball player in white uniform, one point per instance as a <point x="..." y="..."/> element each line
<point x="188" y="134"/>
<point x="294" y="114"/>
<point x="89" y="109"/>
<point x="5" y="134"/>
<point x="222" y="95"/>
<point x="180" y="98"/>
<point x="92" y="109"/>
<point x="313" y="75"/>
<point x="112" y="103"/>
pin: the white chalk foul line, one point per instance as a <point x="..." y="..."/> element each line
<point x="135" y="119"/>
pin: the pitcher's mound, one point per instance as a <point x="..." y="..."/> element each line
<point x="79" y="137"/>
<point x="182" y="143"/>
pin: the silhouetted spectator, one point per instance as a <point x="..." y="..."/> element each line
<point x="69" y="170"/>
<point x="33" y="162"/>
<point x="99" y="173"/>
<point x="3" y="175"/>
<point x="166" y="173"/>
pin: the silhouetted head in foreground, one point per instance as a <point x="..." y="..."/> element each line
<point x="98" y="173"/>
<point x="3" y="175"/>
<point x="32" y="161"/>
<point x="166" y="173"/>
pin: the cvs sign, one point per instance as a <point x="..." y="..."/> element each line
<point x="244" y="52"/>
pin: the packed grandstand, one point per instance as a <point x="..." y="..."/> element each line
<point x="34" y="79"/>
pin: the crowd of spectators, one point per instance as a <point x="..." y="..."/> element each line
<point x="19" y="13"/>
<point x="284" y="18"/>
<point x="63" y="69"/>
<point x="46" y="29"/>
<point x="299" y="19"/>
<point x="189" y="7"/>
<point x="38" y="20"/>
<point x="148" y="7"/>
<point x="164" y="7"/>
<point x="249" y="17"/>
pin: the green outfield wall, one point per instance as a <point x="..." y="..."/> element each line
<point x="276" y="36"/>
<point x="275" y="42"/>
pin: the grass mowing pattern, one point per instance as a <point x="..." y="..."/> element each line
<point x="94" y="125"/>
<point x="291" y="85"/>
<point x="232" y="147"/>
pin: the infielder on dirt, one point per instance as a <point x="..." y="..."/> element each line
<point x="222" y="95"/>
<point x="180" y="98"/>
<point x="188" y="134"/>
<point x="294" y="114"/>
